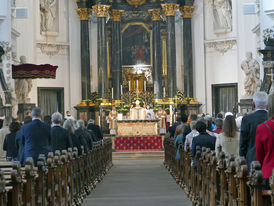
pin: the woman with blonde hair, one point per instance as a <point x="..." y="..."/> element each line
<point x="265" y="143"/>
<point x="229" y="139"/>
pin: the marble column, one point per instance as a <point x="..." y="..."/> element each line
<point x="85" y="55"/>
<point x="157" y="52"/>
<point x="116" y="54"/>
<point x="169" y="9"/>
<point x="187" y="45"/>
<point x="102" y="12"/>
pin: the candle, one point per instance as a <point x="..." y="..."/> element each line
<point x="121" y="89"/>
<point x="129" y="85"/>
<point x="112" y="92"/>
<point x="145" y="85"/>
<point x="164" y="93"/>
<point x="136" y="84"/>
<point x="171" y="114"/>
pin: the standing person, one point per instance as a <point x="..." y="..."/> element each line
<point x="47" y="120"/>
<point x="36" y="136"/>
<point x="229" y="139"/>
<point x="265" y="143"/>
<point x="95" y="128"/>
<point x="249" y="126"/>
<point x="82" y="135"/>
<point x="69" y="116"/>
<point x="20" y="143"/>
<point x="68" y="125"/>
<point x="174" y="126"/>
<point x="91" y="131"/>
<point x="60" y="138"/>
<point x="3" y="132"/>
<point x="219" y="126"/>
<point x="9" y="143"/>
<point x="191" y="135"/>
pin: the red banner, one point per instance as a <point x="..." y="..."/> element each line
<point x="33" y="71"/>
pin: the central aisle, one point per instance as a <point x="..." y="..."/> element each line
<point x="137" y="183"/>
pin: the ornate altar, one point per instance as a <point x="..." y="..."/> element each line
<point x="137" y="127"/>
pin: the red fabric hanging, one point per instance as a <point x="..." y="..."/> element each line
<point x="33" y="71"/>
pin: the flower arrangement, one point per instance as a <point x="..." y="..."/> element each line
<point x="167" y="110"/>
<point x="107" y="111"/>
<point x="99" y="100"/>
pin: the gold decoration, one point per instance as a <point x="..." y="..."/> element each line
<point x="83" y="13"/>
<point x="116" y="14"/>
<point x="187" y="11"/>
<point x="155" y="14"/>
<point x="136" y="3"/>
<point x="101" y="10"/>
<point x="170" y="8"/>
<point x="106" y="102"/>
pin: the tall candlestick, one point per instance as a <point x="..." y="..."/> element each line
<point x="136" y="84"/>
<point x="145" y="85"/>
<point x="112" y="92"/>
<point x="129" y="85"/>
<point x="164" y="92"/>
<point x="121" y="89"/>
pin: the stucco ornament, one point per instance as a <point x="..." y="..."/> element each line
<point x="251" y="69"/>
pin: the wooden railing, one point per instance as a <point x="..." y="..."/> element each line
<point x="218" y="179"/>
<point x="63" y="179"/>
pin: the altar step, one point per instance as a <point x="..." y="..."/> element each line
<point x="138" y="155"/>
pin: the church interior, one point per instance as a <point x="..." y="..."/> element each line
<point x="134" y="68"/>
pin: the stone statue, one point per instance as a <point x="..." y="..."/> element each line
<point x="48" y="9"/>
<point x="224" y="13"/>
<point x="251" y="69"/>
<point x="23" y="86"/>
<point x="2" y="52"/>
<point x="6" y="92"/>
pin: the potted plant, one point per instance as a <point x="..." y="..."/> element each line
<point x="87" y="102"/>
<point x="125" y="111"/>
<point x="107" y="111"/>
<point x="99" y="101"/>
<point x="167" y="110"/>
<point x="188" y="99"/>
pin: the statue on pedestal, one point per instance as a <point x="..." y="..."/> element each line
<point x="161" y="115"/>
<point x="224" y="13"/>
<point x="252" y="74"/>
<point x="112" y="117"/>
<point x="137" y="113"/>
<point x="23" y="86"/>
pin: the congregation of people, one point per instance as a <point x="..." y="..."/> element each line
<point x="250" y="136"/>
<point x="37" y="135"/>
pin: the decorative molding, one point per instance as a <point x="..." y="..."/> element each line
<point x="51" y="48"/>
<point x="268" y="33"/>
<point x="83" y="13"/>
<point x="170" y="8"/>
<point x="221" y="46"/>
<point x="6" y="46"/>
<point x="101" y="10"/>
<point x="268" y="64"/>
<point x="187" y="11"/>
<point x="136" y="3"/>
<point x="117" y="14"/>
<point x="155" y="14"/>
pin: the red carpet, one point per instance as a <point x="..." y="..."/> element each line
<point x="138" y="143"/>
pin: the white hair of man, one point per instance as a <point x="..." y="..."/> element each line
<point x="36" y="112"/>
<point x="260" y="100"/>
<point x="91" y="121"/>
<point x="68" y="125"/>
<point x="81" y="124"/>
<point x="56" y="118"/>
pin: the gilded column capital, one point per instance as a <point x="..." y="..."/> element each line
<point x="83" y="13"/>
<point x="187" y="11"/>
<point x="170" y="8"/>
<point x="155" y="14"/>
<point x="116" y="14"/>
<point x="101" y="10"/>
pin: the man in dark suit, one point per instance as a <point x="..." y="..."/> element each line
<point x="60" y="138"/>
<point x="95" y="128"/>
<point x="203" y="139"/>
<point x="84" y="137"/>
<point x="249" y="127"/>
<point x="36" y="136"/>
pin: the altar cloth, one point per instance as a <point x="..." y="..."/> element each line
<point x="138" y="143"/>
